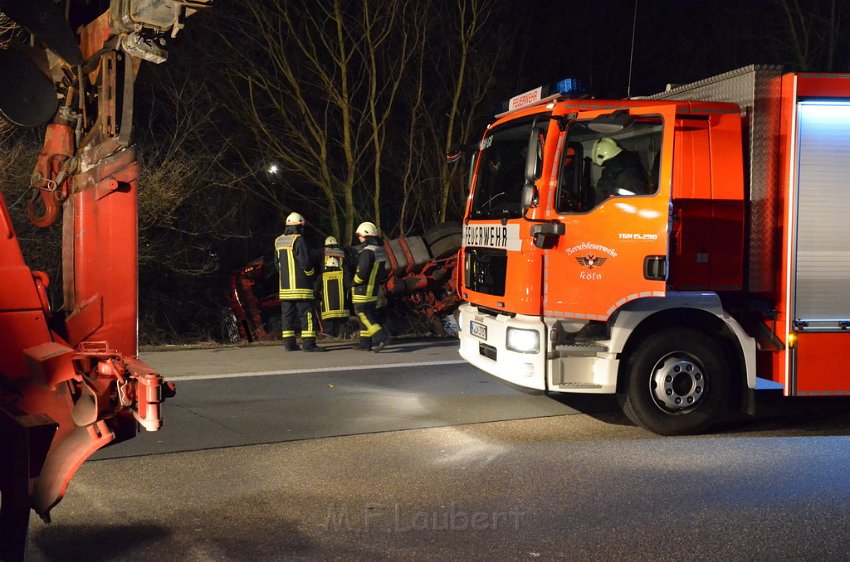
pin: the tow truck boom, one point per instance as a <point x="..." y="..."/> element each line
<point x="70" y="379"/>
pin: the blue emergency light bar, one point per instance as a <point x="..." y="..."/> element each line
<point x="568" y="87"/>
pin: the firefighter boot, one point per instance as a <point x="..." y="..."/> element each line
<point x="365" y="344"/>
<point x="381" y="340"/>
<point x="309" y="344"/>
<point x="290" y="345"/>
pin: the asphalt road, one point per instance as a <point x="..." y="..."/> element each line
<point x="416" y="468"/>
<point x="245" y="396"/>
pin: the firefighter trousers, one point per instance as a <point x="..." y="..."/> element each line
<point x="297" y="316"/>
<point x="369" y="326"/>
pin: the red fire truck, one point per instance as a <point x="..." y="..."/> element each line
<point x="680" y="250"/>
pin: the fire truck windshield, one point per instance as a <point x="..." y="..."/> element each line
<point x="501" y="169"/>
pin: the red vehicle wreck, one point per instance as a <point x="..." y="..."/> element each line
<point x="419" y="296"/>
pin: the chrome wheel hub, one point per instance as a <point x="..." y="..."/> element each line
<point x="678" y="383"/>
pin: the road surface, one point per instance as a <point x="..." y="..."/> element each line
<point x="439" y="462"/>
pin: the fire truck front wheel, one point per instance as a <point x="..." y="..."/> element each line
<point x="677" y="382"/>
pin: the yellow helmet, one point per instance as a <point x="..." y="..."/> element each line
<point x="604" y="149"/>
<point x="294" y="219"/>
<point x="331" y="241"/>
<point x="367" y="229"/>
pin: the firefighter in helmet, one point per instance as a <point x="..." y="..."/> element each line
<point x="297" y="274"/>
<point x="368" y="277"/>
<point x="333" y="285"/>
<point x="622" y="171"/>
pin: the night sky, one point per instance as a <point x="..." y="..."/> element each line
<point x="674" y="40"/>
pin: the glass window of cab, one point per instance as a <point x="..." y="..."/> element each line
<point x="597" y="166"/>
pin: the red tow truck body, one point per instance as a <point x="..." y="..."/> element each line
<point x="71" y="381"/>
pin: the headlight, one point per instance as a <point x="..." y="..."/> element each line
<point x="523" y="341"/>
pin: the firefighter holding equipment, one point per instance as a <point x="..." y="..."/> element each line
<point x="368" y="277"/>
<point x="297" y="274"/>
<point x="333" y="286"/>
<point x="622" y="171"/>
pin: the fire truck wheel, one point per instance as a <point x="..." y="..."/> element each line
<point x="678" y="382"/>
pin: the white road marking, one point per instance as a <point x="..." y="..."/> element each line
<point x="305" y="371"/>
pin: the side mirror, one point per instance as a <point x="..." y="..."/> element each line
<point x="530" y="197"/>
<point x="531" y="171"/>
<point x="546" y="235"/>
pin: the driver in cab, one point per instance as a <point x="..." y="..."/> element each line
<point x="622" y="171"/>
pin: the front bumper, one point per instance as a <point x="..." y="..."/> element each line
<point x="589" y="369"/>
<point x="489" y="351"/>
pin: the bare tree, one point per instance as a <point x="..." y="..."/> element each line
<point x="333" y="92"/>
<point x="296" y="79"/>
<point x="183" y="206"/>
<point x="453" y="73"/>
<point x="812" y="35"/>
<point x="475" y="53"/>
<point x="388" y="56"/>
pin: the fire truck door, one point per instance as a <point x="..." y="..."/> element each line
<point x="613" y="193"/>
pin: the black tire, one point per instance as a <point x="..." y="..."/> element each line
<point x="418" y="251"/>
<point x="446" y="247"/>
<point x="677" y="382"/>
<point x="437" y="233"/>
<point x="400" y="256"/>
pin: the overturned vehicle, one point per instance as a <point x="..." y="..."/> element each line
<point x="418" y="298"/>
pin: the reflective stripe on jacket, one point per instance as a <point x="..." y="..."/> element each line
<point x="371" y="272"/>
<point x="333" y="295"/>
<point x="296" y="271"/>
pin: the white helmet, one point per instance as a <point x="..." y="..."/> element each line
<point x="331" y="262"/>
<point x="604" y="149"/>
<point x="331" y="241"/>
<point x="367" y="229"/>
<point x="294" y="219"/>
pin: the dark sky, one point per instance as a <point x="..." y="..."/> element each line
<point x="674" y="40"/>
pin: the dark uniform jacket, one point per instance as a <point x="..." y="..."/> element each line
<point x="623" y="171"/>
<point x="370" y="273"/>
<point x="292" y="257"/>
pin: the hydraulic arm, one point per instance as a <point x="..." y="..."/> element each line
<point x="70" y="379"/>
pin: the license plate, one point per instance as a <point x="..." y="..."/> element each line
<point x="478" y="330"/>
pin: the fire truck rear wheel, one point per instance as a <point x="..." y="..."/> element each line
<point x="677" y="382"/>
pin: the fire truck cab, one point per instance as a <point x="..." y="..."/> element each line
<point x="679" y="250"/>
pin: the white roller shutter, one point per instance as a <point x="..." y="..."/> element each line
<point x="822" y="276"/>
